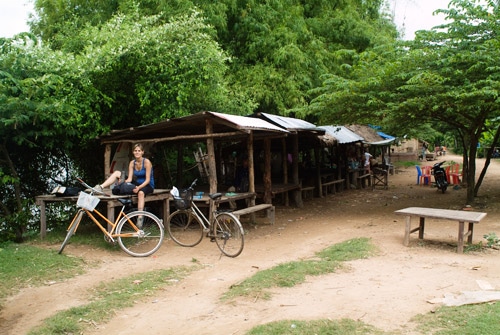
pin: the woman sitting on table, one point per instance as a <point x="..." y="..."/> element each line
<point x="140" y="173"/>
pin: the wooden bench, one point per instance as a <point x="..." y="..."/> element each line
<point x="332" y="186"/>
<point x="252" y="209"/>
<point x="447" y="214"/>
<point x="363" y="178"/>
<point x="307" y="190"/>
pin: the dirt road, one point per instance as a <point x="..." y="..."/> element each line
<point x="385" y="291"/>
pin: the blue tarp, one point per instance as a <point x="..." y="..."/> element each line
<point x="384" y="135"/>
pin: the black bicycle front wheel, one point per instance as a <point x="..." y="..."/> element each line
<point x="140" y="233"/>
<point x="71" y="229"/>
<point x="229" y="234"/>
<point x="184" y="228"/>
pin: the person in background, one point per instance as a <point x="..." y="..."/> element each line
<point x="368" y="156"/>
<point x="241" y="181"/>
<point x="140" y="173"/>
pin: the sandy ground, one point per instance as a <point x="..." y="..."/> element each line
<point x="385" y="291"/>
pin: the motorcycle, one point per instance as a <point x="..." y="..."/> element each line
<point x="440" y="179"/>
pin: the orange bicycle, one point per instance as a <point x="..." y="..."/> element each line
<point x="138" y="233"/>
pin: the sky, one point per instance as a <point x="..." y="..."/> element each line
<point x="13" y="16"/>
<point x="409" y="15"/>
<point x="413" y="15"/>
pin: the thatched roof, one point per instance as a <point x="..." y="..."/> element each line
<point x="369" y="134"/>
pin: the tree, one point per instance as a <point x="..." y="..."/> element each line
<point x="448" y="75"/>
<point x="279" y="49"/>
<point x="129" y="71"/>
<point x="39" y="120"/>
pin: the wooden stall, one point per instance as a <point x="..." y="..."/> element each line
<point x="211" y="129"/>
<point x="299" y="168"/>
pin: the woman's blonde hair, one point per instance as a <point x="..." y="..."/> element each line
<point x="138" y="145"/>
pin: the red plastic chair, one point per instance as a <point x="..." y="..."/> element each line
<point x="447" y="170"/>
<point x="455" y="174"/>
<point x="426" y="175"/>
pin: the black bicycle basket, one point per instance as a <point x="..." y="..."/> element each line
<point x="183" y="201"/>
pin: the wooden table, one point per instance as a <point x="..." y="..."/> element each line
<point x="111" y="202"/>
<point x="446" y="214"/>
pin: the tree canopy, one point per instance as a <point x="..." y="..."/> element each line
<point x="446" y="76"/>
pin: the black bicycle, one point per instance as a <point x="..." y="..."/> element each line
<point x="188" y="224"/>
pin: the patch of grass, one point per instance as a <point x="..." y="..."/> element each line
<point x="25" y="265"/>
<point x="465" y="320"/>
<point x="293" y="273"/>
<point x="110" y="297"/>
<point x="315" y="327"/>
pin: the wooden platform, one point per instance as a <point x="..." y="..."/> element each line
<point x="161" y="195"/>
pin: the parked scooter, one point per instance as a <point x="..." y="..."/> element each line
<point x="440" y="176"/>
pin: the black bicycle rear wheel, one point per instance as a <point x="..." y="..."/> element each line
<point x="140" y="233"/>
<point x="184" y="228"/>
<point x="229" y="234"/>
<point x="71" y="229"/>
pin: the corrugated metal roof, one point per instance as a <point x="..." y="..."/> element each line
<point x="247" y="123"/>
<point x="342" y="134"/>
<point x="194" y="127"/>
<point x="288" y="123"/>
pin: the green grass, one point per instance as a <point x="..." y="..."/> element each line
<point x="110" y="297"/>
<point x="293" y="273"/>
<point x="315" y="327"/>
<point x="464" y="320"/>
<point x="24" y="265"/>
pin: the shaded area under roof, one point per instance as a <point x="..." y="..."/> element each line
<point x="193" y="128"/>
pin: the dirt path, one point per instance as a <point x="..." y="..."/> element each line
<point x="385" y="291"/>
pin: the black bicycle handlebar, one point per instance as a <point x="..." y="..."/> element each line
<point x="193" y="184"/>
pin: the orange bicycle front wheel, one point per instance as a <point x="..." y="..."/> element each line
<point x="140" y="233"/>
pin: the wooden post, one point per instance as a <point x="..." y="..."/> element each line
<point x="317" y="162"/>
<point x="267" y="172"/>
<point x="295" y="171"/>
<point x="251" y="168"/>
<point x="212" y="169"/>
<point x="107" y="161"/>
<point x="285" y="170"/>
<point x="180" y="166"/>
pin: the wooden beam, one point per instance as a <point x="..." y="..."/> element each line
<point x="178" y="138"/>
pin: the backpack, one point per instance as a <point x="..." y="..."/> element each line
<point x="63" y="191"/>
